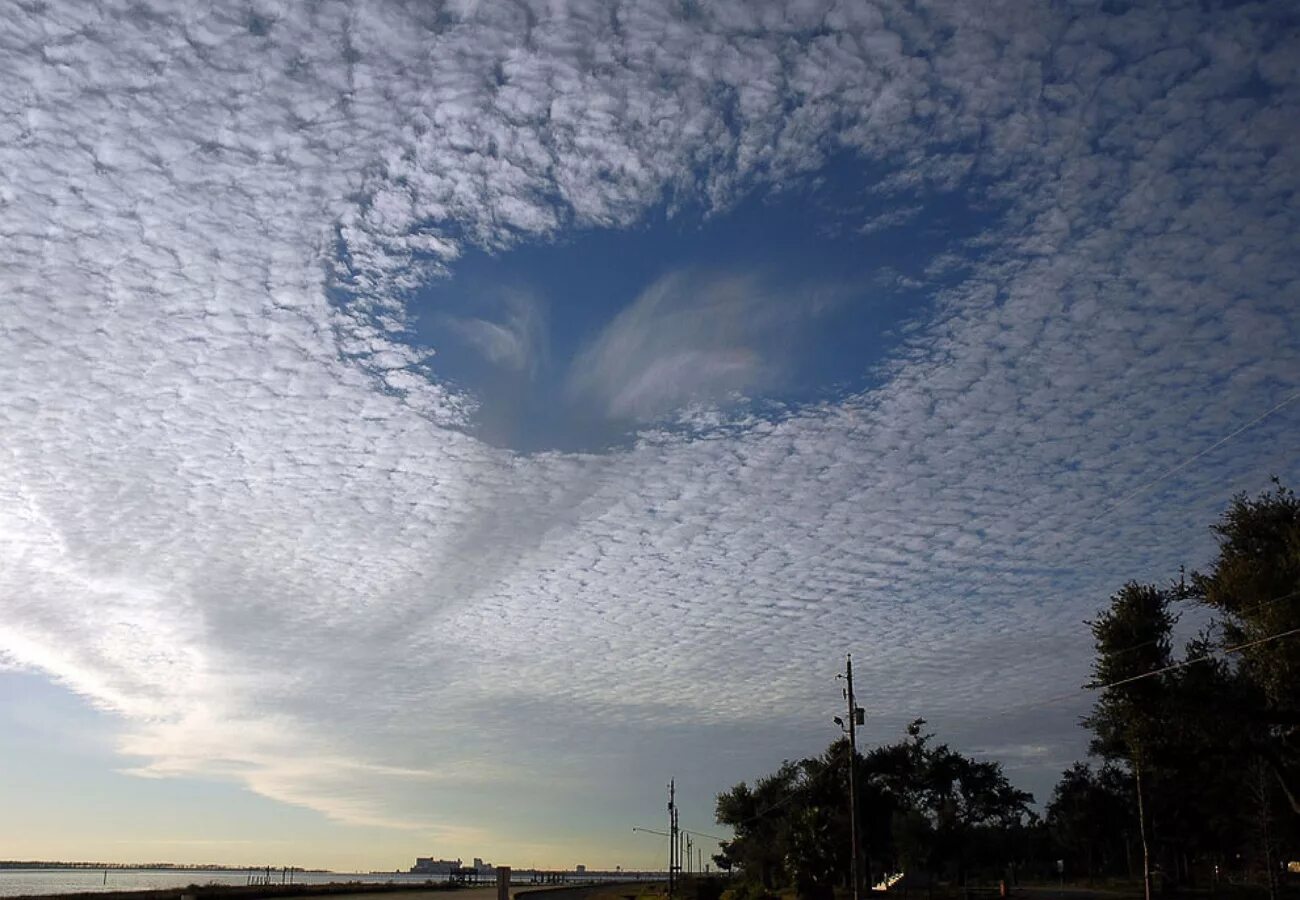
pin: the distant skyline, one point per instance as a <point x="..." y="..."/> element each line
<point x="427" y="430"/>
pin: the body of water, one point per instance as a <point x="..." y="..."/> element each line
<point x="19" y="882"/>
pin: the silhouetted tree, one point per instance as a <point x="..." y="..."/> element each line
<point x="1089" y="817"/>
<point x="1254" y="582"/>
<point x="760" y="819"/>
<point x="1133" y="649"/>
<point x="921" y="806"/>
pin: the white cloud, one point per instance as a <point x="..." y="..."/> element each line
<point x="236" y="511"/>
<point x="516" y="340"/>
<point x="695" y="338"/>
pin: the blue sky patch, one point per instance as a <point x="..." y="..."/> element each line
<point x="782" y="299"/>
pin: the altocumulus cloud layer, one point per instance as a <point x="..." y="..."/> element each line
<point x="236" y="509"/>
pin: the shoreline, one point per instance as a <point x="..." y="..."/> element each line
<point x="255" y="891"/>
<point x="335" y="889"/>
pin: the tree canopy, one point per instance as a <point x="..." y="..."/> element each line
<point x="921" y="806"/>
<point x="1196" y="770"/>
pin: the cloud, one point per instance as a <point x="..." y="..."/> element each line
<point x="695" y="338"/>
<point x="237" y="511"/>
<point x="515" y="341"/>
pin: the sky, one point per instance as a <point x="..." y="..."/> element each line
<point x="428" y="428"/>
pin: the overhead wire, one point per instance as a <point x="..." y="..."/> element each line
<point x="830" y="767"/>
<point x="1177" y="467"/>
<point x="1193" y="661"/>
<point x="1173" y="470"/>
<point x="1074" y="694"/>
<point x="1245" y="609"/>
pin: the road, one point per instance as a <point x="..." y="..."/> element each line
<point x="558" y="892"/>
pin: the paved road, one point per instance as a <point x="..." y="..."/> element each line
<point x="1052" y="892"/>
<point x="583" y="891"/>
<point x="542" y="892"/>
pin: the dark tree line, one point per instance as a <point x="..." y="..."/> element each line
<point x="1195" y="776"/>
<point x="1203" y="747"/>
<point x="923" y="807"/>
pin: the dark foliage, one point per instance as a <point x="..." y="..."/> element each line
<point x="1197" y="776"/>
<point x="1203" y="751"/>
<point x="921" y="806"/>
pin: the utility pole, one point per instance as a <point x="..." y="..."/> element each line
<point x="855" y="716"/>
<point x="672" y="837"/>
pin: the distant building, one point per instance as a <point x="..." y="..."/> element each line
<point x="580" y="869"/>
<point x="452" y="869"/>
<point x="427" y="865"/>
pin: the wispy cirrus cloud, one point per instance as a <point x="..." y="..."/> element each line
<point x="237" y="510"/>
<point x="693" y="338"/>
<point x="514" y="339"/>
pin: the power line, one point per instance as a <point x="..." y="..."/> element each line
<point x="1193" y="458"/>
<point x="790" y="795"/>
<point x="1236" y="612"/>
<point x="1179" y="467"/>
<point x="690" y="831"/>
<point x="1074" y="694"/>
<point x="1191" y="662"/>
<point x="791" y="791"/>
<point x="1166" y="474"/>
